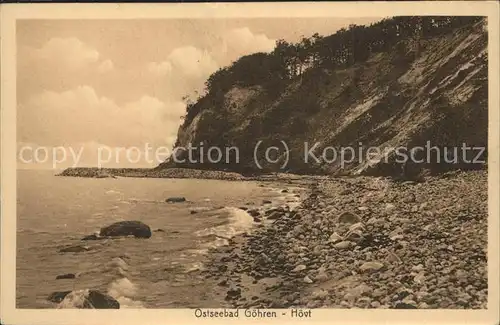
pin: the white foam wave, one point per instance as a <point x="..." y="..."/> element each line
<point x="239" y="221"/>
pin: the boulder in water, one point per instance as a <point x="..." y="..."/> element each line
<point x="57" y="296"/>
<point x="176" y="199"/>
<point x="92" y="237"/>
<point x="137" y="229"/>
<point x="74" y="249"/>
<point x="88" y="299"/>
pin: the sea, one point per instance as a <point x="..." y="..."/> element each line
<point x="164" y="271"/>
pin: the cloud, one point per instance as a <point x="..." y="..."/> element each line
<point x="105" y="66"/>
<point x="192" y="62"/>
<point x="81" y="115"/>
<point x="71" y="53"/>
<point x="185" y="62"/>
<point x="241" y="41"/>
<point x="160" y="68"/>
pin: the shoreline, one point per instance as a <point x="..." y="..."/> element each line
<point x="178" y="173"/>
<point x="409" y="247"/>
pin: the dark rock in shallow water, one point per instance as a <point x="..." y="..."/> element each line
<point x="57" y="296"/>
<point x="254" y="213"/>
<point x="66" y="276"/>
<point x="92" y="237"/>
<point x="137" y="229"/>
<point x="88" y="299"/>
<point x="74" y="249"/>
<point x="175" y="199"/>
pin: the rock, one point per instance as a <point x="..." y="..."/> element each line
<point x="363" y="208"/>
<point x="92" y="237"/>
<point x="390" y="206"/>
<point x="354" y="236"/>
<point x="356" y="226"/>
<point x="284" y="191"/>
<point x="371" y="266"/>
<point x="344" y="244"/>
<point x="348" y="218"/>
<point x="418" y="268"/>
<point x="403" y="305"/>
<point x="233" y="293"/>
<point x="255" y="219"/>
<point x="275" y="215"/>
<point x="159" y="230"/>
<point x="319" y="294"/>
<point x="410" y="198"/>
<point x="175" y="199"/>
<point x="266" y="202"/>
<point x="74" y="249"/>
<point x="137" y="229"/>
<point x="57" y="296"/>
<point x="356" y="292"/>
<point x="307" y="280"/>
<point x="193" y="212"/>
<point x="423" y="305"/>
<point x="88" y="299"/>
<point x="334" y="238"/>
<point x="254" y="213"/>
<point x="299" y="268"/>
<point x="66" y="276"/>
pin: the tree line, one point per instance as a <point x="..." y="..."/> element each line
<point x="345" y="48"/>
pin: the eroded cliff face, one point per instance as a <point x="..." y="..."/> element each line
<point x="428" y="92"/>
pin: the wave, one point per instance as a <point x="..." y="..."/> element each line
<point x="239" y="221"/>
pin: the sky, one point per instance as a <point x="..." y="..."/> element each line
<point x="89" y="84"/>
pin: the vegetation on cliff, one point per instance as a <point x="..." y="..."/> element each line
<point x="403" y="81"/>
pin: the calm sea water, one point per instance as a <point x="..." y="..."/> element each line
<point x="159" y="272"/>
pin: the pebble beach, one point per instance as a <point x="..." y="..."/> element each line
<point x="364" y="242"/>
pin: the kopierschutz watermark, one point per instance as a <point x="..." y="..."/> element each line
<point x="310" y="153"/>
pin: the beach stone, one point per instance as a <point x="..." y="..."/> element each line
<point x="389" y="207"/>
<point x="344" y="244"/>
<point x="403" y="305"/>
<point x="334" y="238"/>
<point x="299" y="268"/>
<point x="348" y="218"/>
<point x="410" y="198"/>
<point x="88" y="299"/>
<point x="74" y="249"/>
<point x="137" y="229"/>
<point x="371" y="266"/>
<point x="307" y="279"/>
<point x="356" y="292"/>
<point x="175" y="199"/>
<point x="417" y="268"/>
<point x="66" y="276"/>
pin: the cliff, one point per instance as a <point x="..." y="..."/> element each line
<point x="402" y="82"/>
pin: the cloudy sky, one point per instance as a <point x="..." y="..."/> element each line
<point x="119" y="83"/>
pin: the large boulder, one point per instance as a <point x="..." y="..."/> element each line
<point x="88" y="299"/>
<point x="175" y="199"/>
<point x="137" y="229"/>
